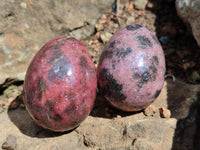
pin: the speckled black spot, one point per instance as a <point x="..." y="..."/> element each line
<point x="136" y="75"/>
<point x="153" y="68"/>
<point x="105" y="54"/>
<point x="46" y="48"/>
<point x="133" y="27"/>
<point x="61" y="65"/>
<point x="111" y="88"/>
<point x="144" y="41"/>
<point x="70" y="96"/>
<point x="148" y="74"/>
<point x="113" y="64"/>
<point x="41" y="88"/>
<point x="57" y="54"/>
<point x="112" y="44"/>
<point x="148" y="94"/>
<point x="71" y="109"/>
<point x="121" y="53"/>
<point x="60" y="69"/>
<point x="155" y="59"/>
<point x="38" y="108"/>
<point x="155" y="39"/>
<point x="83" y="62"/>
<point x="140" y="85"/>
<point x="144" y="78"/>
<point x="57" y="118"/>
<point x="49" y="104"/>
<point x="157" y="93"/>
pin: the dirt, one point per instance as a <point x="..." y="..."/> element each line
<point x="179" y="100"/>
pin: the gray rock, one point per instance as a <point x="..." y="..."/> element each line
<point x="26" y="26"/>
<point x="110" y="129"/>
<point x="10" y="143"/>
<point x="83" y="32"/>
<point x="152" y="134"/>
<point x="130" y="20"/>
<point x="140" y="4"/>
<point x="188" y="11"/>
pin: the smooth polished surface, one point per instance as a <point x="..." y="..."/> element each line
<point x="131" y="68"/>
<point x="60" y="85"/>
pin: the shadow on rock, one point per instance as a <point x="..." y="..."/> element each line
<point x="183" y="99"/>
<point x="20" y="117"/>
<point x="184" y="104"/>
<point x="102" y="108"/>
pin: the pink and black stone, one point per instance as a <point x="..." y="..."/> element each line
<point x="131" y="68"/>
<point x="60" y="85"/>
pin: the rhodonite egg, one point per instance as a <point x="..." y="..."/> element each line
<point x="60" y="85"/>
<point x="131" y="68"/>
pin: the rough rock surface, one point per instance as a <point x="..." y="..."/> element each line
<point x="107" y="128"/>
<point x="18" y="131"/>
<point x="140" y="4"/>
<point x="26" y="25"/>
<point x="188" y="10"/>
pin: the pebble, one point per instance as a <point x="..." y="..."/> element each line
<point x="152" y="6"/>
<point x="195" y="76"/>
<point x="82" y="32"/>
<point x="140" y="4"/>
<point x="10" y="143"/>
<point x="130" y="20"/>
<point x="150" y="110"/>
<point x="105" y="37"/>
<point x="99" y="27"/>
<point x="118" y="116"/>
<point x="165" y="113"/>
<point x="23" y="4"/>
<point x="102" y="21"/>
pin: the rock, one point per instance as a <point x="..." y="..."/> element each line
<point x="99" y="27"/>
<point x="83" y="32"/>
<point x="188" y="11"/>
<point x="165" y="113"/>
<point x="10" y="143"/>
<point x="183" y="102"/>
<point x="105" y="37"/>
<point x="140" y="4"/>
<point x="150" y="110"/>
<point x="107" y="128"/>
<point x="150" y="5"/>
<point x="152" y="134"/>
<point x="195" y="76"/>
<point x="101" y="137"/>
<point x="129" y="6"/>
<point x="130" y="20"/>
<point x="98" y="131"/>
<point x="11" y="91"/>
<point x="27" y="25"/>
